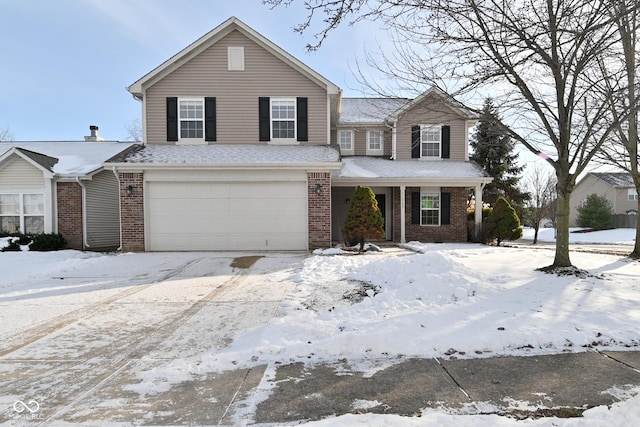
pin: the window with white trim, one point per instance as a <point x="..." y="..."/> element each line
<point x="283" y="118"/>
<point x="345" y="140"/>
<point x="22" y="213"/>
<point x="191" y="118"/>
<point x="430" y="140"/>
<point x="429" y="208"/>
<point x="632" y="194"/>
<point x="375" y="144"/>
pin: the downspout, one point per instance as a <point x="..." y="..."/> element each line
<point x="393" y="137"/>
<point x="84" y="213"/>
<point x="119" y="207"/>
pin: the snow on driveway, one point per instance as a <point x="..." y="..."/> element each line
<point x="76" y="337"/>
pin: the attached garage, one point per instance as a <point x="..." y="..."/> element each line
<point x="203" y="216"/>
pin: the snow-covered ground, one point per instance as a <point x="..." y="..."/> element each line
<point x="481" y="301"/>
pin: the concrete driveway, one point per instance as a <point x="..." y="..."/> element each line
<point x="78" y="358"/>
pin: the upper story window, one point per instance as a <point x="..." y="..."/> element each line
<point x="22" y="213"/>
<point x="632" y="194"/>
<point x="283" y="120"/>
<point x="191" y="120"/>
<point x="375" y="142"/>
<point x="430" y="141"/>
<point x="345" y="140"/>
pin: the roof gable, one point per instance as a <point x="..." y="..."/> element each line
<point x="38" y="160"/>
<point x="212" y="37"/>
<point x="448" y="100"/>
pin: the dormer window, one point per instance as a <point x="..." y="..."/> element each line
<point x="430" y="141"/>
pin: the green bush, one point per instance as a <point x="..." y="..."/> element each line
<point x="503" y="222"/>
<point x="36" y="242"/>
<point x="364" y="219"/>
<point x="595" y="212"/>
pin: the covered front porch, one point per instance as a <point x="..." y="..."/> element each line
<point x="424" y="201"/>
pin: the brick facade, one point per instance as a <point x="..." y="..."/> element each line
<point x="132" y="212"/>
<point x="69" y="201"/>
<point x="454" y="232"/>
<point x="319" y="209"/>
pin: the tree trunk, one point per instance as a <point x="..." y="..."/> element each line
<point x="562" y="224"/>
<point x="535" y="233"/>
<point x="636" y="248"/>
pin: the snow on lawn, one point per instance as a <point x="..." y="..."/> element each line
<point x="618" y="236"/>
<point x="373" y="309"/>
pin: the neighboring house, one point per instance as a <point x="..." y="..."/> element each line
<point x="247" y="148"/>
<point x="61" y="187"/>
<point x="617" y="187"/>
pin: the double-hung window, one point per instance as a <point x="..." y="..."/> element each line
<point x="430" y="140"/>
<point x="375" y="144"/>
<point x="191" y="118"/>
<point x="345" y="140"/>
<point x="430" y="208"/>
<point x="22" y="213"/>
<point x="283" y="118"/>
<point x="632" y="194"/>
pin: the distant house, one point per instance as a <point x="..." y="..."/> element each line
<point x="617" y="187"/>
<point x="61" y="187"/>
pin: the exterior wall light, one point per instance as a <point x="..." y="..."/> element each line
<point x="129" y="190"/>
<point x="318" y="189"/>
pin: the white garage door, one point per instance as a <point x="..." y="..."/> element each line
<point x="194" y="216"/>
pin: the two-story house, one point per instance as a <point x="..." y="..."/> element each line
<point x="247" y="148"/>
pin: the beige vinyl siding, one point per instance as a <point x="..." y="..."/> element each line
<point x="431" y="111"/>
<point x="360" y="139"/>
<point x="103" y="212"/>
<point x="618" y="197"/>
<point x="236" y="92"/>
<point x="20" y="174"/>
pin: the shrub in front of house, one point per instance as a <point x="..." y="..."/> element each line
<point x="503" y="222"/>
<point x="364" y="219"/>
<point x="595" y="212"/>
<point x="35" y="242"/>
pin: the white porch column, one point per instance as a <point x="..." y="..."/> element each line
<point x="478" y="212"/>
<point x="403" y="220"/>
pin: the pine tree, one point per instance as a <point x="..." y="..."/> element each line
<point x="503" y="222"/>
<point x="364" y="219"/>
<point x="493" y="150"/>
<point x="595" y="212"/>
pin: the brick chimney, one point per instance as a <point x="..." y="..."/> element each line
<point x="94" y="134"/>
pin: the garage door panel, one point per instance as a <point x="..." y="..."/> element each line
<point x="227" y="216"/>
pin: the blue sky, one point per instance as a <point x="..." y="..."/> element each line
<point x="65" y="64"/>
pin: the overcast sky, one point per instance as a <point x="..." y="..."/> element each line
<point x="65" y="64"/>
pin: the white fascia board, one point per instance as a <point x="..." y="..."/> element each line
<point x="141" y="167"/>
<point x="410" y="182"/>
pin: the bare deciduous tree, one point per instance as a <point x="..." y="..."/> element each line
<point x="541" y="185"/>
<point x="6" y="135"/>
<point x="539" y="58"/>
<point x="134" y="130"/>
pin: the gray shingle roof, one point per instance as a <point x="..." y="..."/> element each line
<point x="231" y="154"/>
<point x="369" y="110"/>
<point x="373" y="167"/>
<point x="615" y="179"/>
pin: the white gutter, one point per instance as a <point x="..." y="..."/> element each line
<point x="119" y="207"/>
<point x="84" y="212"/>
<point x="393" y="137"/>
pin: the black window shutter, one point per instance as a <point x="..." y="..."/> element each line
<point x="264" y="118"/>
<point x="415" y="207"/>
<point x="302" y="119"/>
<point x="172" y="119"/>
<point x="445" y="208"/>
<point x="446" y="142"/>
<point x="415" y="142"/>
<point x="210" y="119"/>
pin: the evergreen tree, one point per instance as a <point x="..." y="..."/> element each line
<point x="595" y="212"/>
<point x="493" y="150"/>
<point x="503" y="222"/>
<point x="364" y="219"/>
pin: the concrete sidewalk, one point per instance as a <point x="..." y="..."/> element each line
<point x="574" y="380"/>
